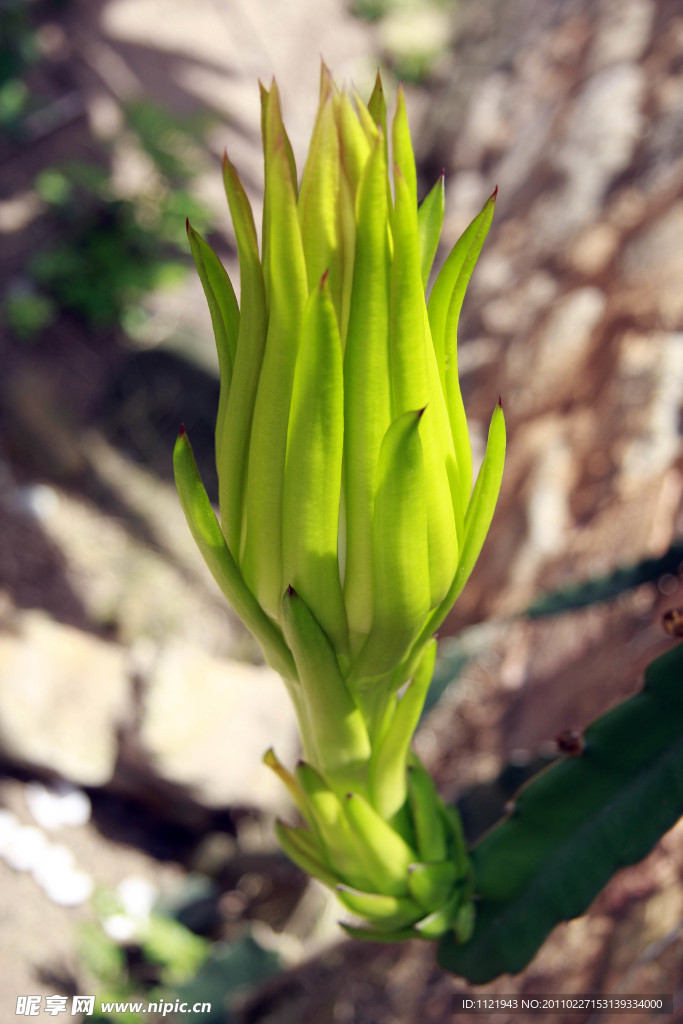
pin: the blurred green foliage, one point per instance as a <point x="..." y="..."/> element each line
<point x="606" y="588"/>
<point x="168" y="962"/>
<point x="106" y="252"/>
<point x="105" y="248"/>
<point x="18" y="51"/>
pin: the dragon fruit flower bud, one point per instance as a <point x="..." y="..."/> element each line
<point x="348" y="521"/>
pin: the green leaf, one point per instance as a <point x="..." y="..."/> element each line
<point x="575" y="825"/>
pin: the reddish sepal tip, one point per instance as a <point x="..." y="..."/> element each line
<point x="181" y="432"/>
<point x="570" y="742"/>
<point x="290" y="592"/>
<point x="494" y="194"/>
<point x="500" y="401"/>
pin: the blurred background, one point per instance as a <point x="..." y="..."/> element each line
<point x="136" y="846"/>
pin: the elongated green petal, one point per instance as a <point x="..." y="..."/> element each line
<point x="429" y="223"/>
<point x="445" y="303"/>
<point x="354" y="149"/>
<point x="336" y="723"/>
<point x="225" y="320"/>
<point x="367" y="399"/>
<point x="383" y="912"/>
<point x="442" y="525"/>
<point x="454" y="276"/>
<point x="399" y="545"/>
<point x="313" y="469"/>
<point x="273" y="133"/>
<point x="407" y="329"/>
<point x="414" y="382"/>
<point x="318" y="204"/>
<point x="276" y="134"/>
<point x="479" y="512"/>
<point x="485" y="495"/>
<point x="377" y="109"/>
<point x="262" y="554"/>
<point x="388" y="762"/>
<point x="441" y="438"/>
<point x="233" y="437"/>
<point x="210" y="541"/>
<point x="387" y="855"/>
<point x="346" y="227"/>
<point x="377" y="104"/>
<point x="220" y="296"/>
<point x="404" y="158"/>
<point x="371" y="127"/>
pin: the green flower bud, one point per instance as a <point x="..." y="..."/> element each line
<point x="348" y="522"/>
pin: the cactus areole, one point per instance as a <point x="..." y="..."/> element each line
<point x="348" y="522"/>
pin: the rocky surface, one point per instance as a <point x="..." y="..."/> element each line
<point x="64" y="697"/>
<point x="194" y="711"/>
